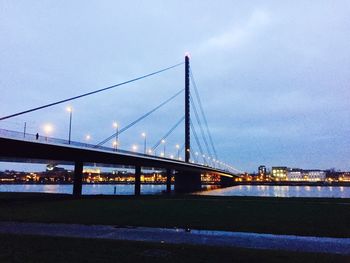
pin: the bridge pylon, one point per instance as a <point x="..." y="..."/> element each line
<point x="187" y="109"/>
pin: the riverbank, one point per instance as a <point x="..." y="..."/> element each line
<point x="328" y="217"/>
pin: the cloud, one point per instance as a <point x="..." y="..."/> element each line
<point x="237" y="35"/>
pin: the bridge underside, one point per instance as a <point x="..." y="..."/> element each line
<point x="187" y="176"/>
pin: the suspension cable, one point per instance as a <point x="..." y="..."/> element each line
<point x="89" y="93"/>
<point x="195" y="158"/>
<point x="197" y="141"/>
<point x="200" y="126"/>
<point x="168" y="133"/>
<point x="182" y="147"/>
<point x="140" y="118"/>
<point x="202" y="111"/>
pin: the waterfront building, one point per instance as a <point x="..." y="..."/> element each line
<point x="262" y="170"/>
<point x="279" y="173"/>
<point x="345" y="177"/>
<point x="306" y="175"/>
<point x="315" y="175"/>
<point x="295" y="175"/>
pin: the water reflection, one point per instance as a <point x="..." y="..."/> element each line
<point x="282" y="191"/>
<point x="240" y="190"/>
<point x="91" y="189"/>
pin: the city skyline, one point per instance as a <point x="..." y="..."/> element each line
<point x="272" y="77"/>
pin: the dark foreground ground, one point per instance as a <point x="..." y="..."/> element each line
<point x="293" y="216"/>
<point x="15" y="248"/>
<point x="302" y="216"/>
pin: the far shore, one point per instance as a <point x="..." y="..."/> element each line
<point x="280" y="183"/>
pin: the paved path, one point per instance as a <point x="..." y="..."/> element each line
<point x="181" y="236"/>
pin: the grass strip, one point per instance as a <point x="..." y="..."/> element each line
<point x="296" y="216"/>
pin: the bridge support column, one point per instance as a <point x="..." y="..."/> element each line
<point x="187" y="182"/>
<point x="169" y="173"/>
<point x="137" y="180"/>
<point x="78" y="179"/>
<point x="226" y="181"/>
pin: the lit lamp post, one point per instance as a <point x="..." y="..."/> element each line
<point x="134" y="147"/>
<point x="115" y="145"/>
<point x="178" y="150"/>
<point x="115" y="125"/>
<point x="163" y="142"/>
<point x="48" y="129"/>
<point x="70" y="110"/>
<point x="87" y="138"/>
<point x="144" y="142"/>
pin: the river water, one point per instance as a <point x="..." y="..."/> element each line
<point x="241" y="190"/>
<point x="88" y="189"/>
<point x="282" y="191"/>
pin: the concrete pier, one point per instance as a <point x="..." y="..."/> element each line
<point x="78" y="178"/>
<point x="137" y="180"/>
<point x="187" y="182"/>
<point x="226" y="181"/>
<point x="169" y="174"/>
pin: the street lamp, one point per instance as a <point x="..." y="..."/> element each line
<point x="163" y="142"/>
<point x="134" y="147"/>
<point x="196" y="159"/>
<point x="115" y="125"/>
<point x="115" y="145"/>
<point x="144" y="142"/>
<point x="178" y="150"/>
<point x="48" y="129"/>
<point x="70" y="110"/>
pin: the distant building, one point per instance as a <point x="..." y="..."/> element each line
<point x="295" y="175"/>
<point x="262" y="170"/>
<point x="306" y="175"/>
<point x="345" y="177"/>
<point x="333" y="175"/>
<point x="315" y="175"/>
<point x="279" y="173"/>
<point x="91" y="171"/>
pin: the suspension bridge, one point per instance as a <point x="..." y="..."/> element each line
<point x="32" y="148"/>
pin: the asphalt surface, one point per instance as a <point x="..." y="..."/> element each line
<point x="184" y="236"/>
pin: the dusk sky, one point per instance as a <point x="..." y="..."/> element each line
<point x="273" y="75"/>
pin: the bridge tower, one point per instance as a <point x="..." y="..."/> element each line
<point x="187" y="181"/>
<point x="187" y="108"/>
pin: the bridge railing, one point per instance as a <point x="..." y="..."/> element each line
<point x="51" y="140"/>
<point x="47" y="139"/>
